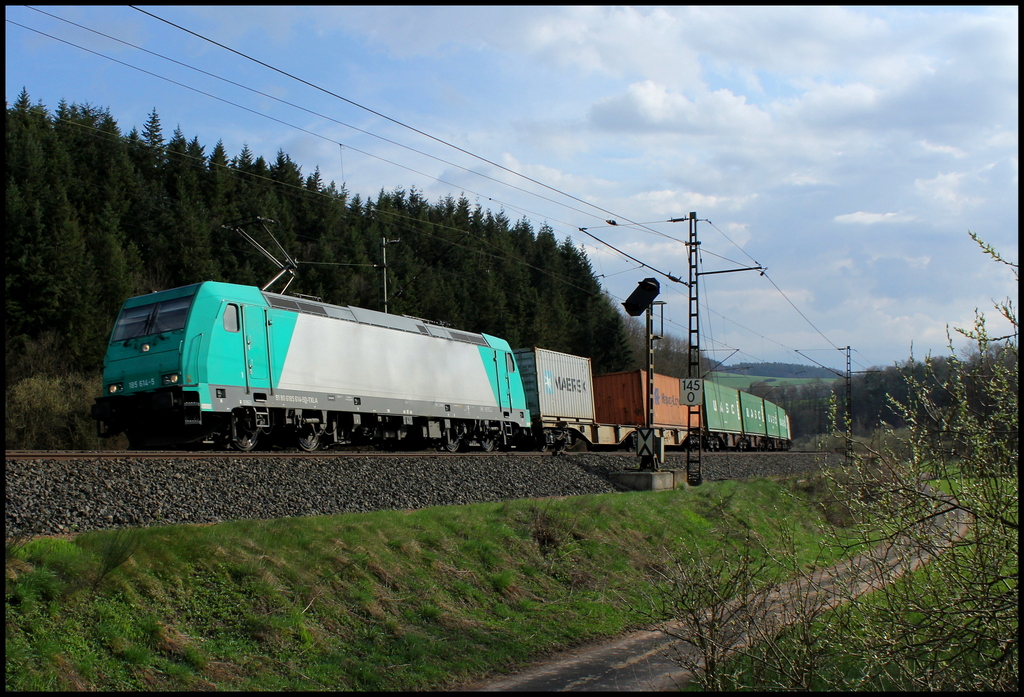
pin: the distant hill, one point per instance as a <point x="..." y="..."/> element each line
<point x="742" y="375"/>
<point x="778" y="370"/>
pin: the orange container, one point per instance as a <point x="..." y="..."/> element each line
<point x="621" y="398"/>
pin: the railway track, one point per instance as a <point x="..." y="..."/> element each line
<point x="340" y="453"/>
<point x="59" y="492"/>
<point x="250" y="455"/>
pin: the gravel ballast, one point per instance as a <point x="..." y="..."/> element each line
<point x="49" y="496"/>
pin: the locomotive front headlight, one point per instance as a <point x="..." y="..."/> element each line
<point x="171" y="379"/>
<point x="115" y="387"/>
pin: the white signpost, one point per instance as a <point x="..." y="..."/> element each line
<point x="691" y="391"/>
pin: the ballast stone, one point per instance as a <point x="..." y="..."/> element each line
<point x="46" y="496"/>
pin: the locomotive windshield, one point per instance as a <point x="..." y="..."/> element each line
<point x="153" y="318"/>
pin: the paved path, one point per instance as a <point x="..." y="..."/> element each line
<point x="653" y="660"/>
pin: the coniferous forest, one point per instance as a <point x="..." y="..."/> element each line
<point x="95" y="216"/>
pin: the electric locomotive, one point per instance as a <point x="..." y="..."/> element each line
<point x="219" y="363"/>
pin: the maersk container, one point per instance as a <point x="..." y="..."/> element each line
<point x="558" y="385"/>
<point x="722" y="405"/>
<point x="752" y="408"/>
<point x="621" y="398"/>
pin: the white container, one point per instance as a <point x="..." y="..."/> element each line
<point x="559" y="386"/>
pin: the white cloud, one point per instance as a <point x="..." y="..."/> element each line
<point x="803" y="178"/>
<point x="618" y="41"/>
<point x="843" y="265"/>
<point x="948" y="190"/>
<point x="828" y="103"/>
<point x="571" y="183"/>
<point x="943" y="149"/>
<point x="1002" y="139"/>
<point x="648" y="106"/>
<point x="918" y="262"/>
<point x="668" y="202"/>
<point x="757" y="300"/>
<point x="739" y="233"/>
<point x="862" y="218"/>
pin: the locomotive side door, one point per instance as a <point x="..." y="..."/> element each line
<point x="503" y="365"/>
<point x="255" y="331"/>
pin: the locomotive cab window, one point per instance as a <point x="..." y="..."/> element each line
<point x="171" y="314"/>
<point x="132" y="322"/>
<point x="231" y="318"/>
<point x="510" y="363"/>
<point x="154" y="318"/>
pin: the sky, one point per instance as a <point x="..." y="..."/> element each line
<point x="846" y="151"/>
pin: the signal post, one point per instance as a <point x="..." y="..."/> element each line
<point x="650" y="445"/>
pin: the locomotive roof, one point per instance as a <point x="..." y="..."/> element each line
<point x="361" y="315"/>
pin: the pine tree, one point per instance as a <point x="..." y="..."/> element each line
<point x="152" y="133"/>
<point x="122" y="214"/>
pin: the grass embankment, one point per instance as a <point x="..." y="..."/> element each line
<point x="390" y="600"/>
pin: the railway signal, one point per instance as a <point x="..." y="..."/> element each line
<point x="650" y="448"/>
<point x="640" y="300"/>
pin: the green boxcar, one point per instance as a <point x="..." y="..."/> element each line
<point x="771" y="418"/>
<point x="784" y="433"/>
<point x="722" y="407"/>
<point x="752" y="410"/>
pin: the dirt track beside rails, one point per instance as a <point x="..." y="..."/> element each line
<point x="659" y="659"/>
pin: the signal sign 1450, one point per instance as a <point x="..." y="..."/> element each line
<point x="691" y="391"/>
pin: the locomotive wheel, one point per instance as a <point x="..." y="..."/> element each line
<point x="245" y="441"/>
<point x="488" y="443"/>
<point x="309" y="439"/>
<point x="451" y="443"/>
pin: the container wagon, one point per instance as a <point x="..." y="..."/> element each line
<point x="621" y="398"/>
<point x="559" y="395"/>
<point x="568" y="403"/>
<point x="777" y="422"/>
<point x="722" y="416"/>
<point x="755" y="430"/>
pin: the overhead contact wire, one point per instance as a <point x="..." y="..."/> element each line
<point x="642" y="226"/>
<point x="317" y="135"/>
<point x="386" y="117"/>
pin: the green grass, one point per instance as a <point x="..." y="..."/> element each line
<point x="390" y="600"/>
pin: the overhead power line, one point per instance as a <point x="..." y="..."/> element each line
<point x="500" y="254"/>
<point x="323" y="116"/>
<point x="799" y="312"/>
<point x="632" y="258"/>
<point x="611" y="222"/>
<point x="386" y="117"/>
<point x="317" y="135"/>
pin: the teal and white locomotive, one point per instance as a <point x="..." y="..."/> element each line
<point x="220" y="363"/>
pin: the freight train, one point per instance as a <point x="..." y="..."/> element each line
<point x="569" y="405"/>
<point x="218" y="364"/>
